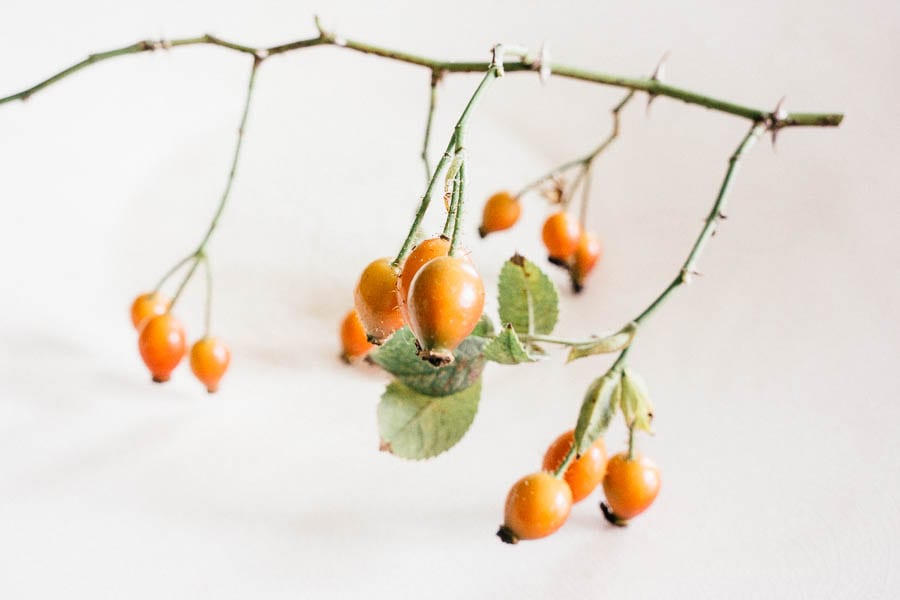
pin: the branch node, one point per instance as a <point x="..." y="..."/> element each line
<point x="657" y="76"/>
<point x="260" y="55"/>
<point x="542" y="63"/>
<point x="775" y="120"/>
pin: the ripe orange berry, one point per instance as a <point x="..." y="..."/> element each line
<point x="421" y="254"/>
<point x="151" y="304"/>
<point x="583" y="474"/>
<point x="162" y="345"/>
<point x="209" y="361"/>
<point x="560" y="234"/>
<point x="537" y="505"/>
<point x="501" y="211"/>
<point x="445" y="304"/>
<point x="353" y="338"/>
<point x="587" y="255"/>
<point x="377" y="302"/>
<point x="630" y="485"/>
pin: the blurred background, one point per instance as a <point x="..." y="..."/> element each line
<point x="773" y="375"/>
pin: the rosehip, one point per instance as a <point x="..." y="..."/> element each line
<point x="583" y="474"/>
<point x="587" y="254"/>
<point x="560" y="234"/>
<point x="630" y="485"/>
<point x="162" y="345"/>
<point x="377" y="302"/>
<point x="445" y="304"/>
<point x="537" y="505"/>
<point x="501" y="211"/>
<point x="421" y="254"/>
<point x="151" y="304"/>
<point x="209" y="361"/>
<point x="353" y="338"/>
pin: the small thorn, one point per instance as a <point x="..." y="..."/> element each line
<point x="542" y="63"/>
<point x="660" y="70"/>
<point x="775" y="119"/>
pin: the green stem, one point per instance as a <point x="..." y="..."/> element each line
<point x="432" y="104"/>
<point x="631" y="442"/>
<point x="688" y="269"/>
<point x="458" y="210"/>
<point x="172" y="271"/>
<point x="586" y="161"/>
<point x="649" y="85"/>
<point x="209" y="294"/>
<point x="200" y="253"/>
<point x="453" y="147"/>
<point x="450" y="221"/>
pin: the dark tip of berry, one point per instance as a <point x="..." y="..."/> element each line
<point x="507" y="536"/>
<point x="158" y="379"/>
<point x="610" y="516"/>
<point x="481" y="232"/>
<point x="559" y="262"/>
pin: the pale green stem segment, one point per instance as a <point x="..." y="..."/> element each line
<point x="453" y="147"/>
<point x="587" y="160"/>
<point x="688" y="268"/>
<point x="207" y="319"/>
<point x="432" y="104"/>
<point x="200" y="253"/>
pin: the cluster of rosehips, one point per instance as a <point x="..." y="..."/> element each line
<point x="162" y="343"/>
<point x="568" y="245"/>
<point x="438" y="295"/>
<point x="539" y="504"/>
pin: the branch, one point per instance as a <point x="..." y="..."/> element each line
<point x="649" y="85"/>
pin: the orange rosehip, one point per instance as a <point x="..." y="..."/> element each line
<point x="210" y="358"/>
<point x="501" y="211"/>
<point x="630" y="486"/>
<point x="377" y="302"/>
<point x="583" y="474"/>
<point x="151" y="304"/>
<point x="445" y="303"/>
<point x="162" y="345"/>
<point x="353" y="338"/>
<point x="560" y="234"/>
<point x="421" y="254"/>
<point x="537" y="505"/>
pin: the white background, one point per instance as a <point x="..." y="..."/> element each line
<point x="774" y="375"/>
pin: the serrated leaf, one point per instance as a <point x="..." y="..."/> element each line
<point x="527" y="297"/>
<point x="597" y="410"/>
<point x="507" y="349"/>
<point x="398" y="357"/>
<point x="635" y="401"/>
<point x="418" y="426"/>
<point x="611" y="343"/>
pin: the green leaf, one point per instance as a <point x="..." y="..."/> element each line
<point x="527" y="297"/>
<point x="611" y="343"/>
<point x="597" y="410"/>
<point x="635" y="401"/>
<point x="418" y="426"/>
<point x="484" y="328"/>
<point x="398" y="357"/>
<point x="507" y="349"/>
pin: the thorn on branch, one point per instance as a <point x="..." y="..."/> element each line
<point x="776" y="119"/>
<point x="687" y="275"/>
<point x="658" y="75"/>
<point x="542" y="63"/>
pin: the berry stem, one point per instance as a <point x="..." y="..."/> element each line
<point x="586" y="161"/>
<point x="458" y="210"/>
<point x="436" y="76"/>
<point x="450" y="221"/>
<point x="172" y="271"/>
<point x="631" y="441"/>
<point x="453" y="147"/>
<point x="209" y="294"/>
<point x="235" y="159"/>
